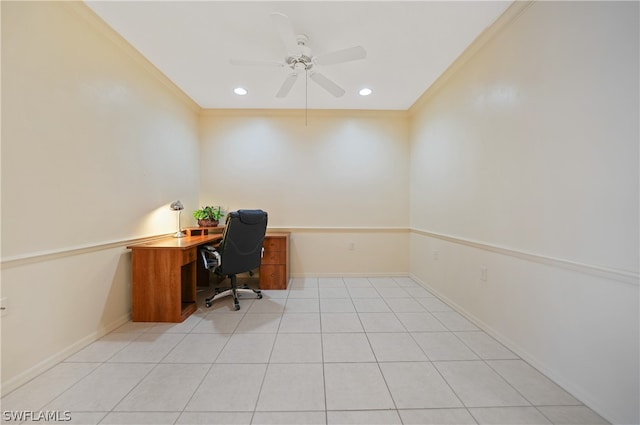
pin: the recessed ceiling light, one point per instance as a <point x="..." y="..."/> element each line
<point x="240" y="91"/>
<point x="365" y="92"/>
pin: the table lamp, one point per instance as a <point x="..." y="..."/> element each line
<point x="177" y="206"/>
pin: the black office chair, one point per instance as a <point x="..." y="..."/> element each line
<point x="239" y="251"/>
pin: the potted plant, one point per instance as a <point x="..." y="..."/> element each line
<point x="208" y="216"/>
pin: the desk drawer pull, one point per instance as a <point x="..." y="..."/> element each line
<point x="189" y="256"/>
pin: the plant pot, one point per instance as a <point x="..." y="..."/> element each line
<point x="208" y="223"/>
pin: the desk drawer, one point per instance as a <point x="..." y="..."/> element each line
<point x="274" y="257"/>
<point x="274" y="244"/>
<point x="273" y="277"/>
<point x="189" y="255"/>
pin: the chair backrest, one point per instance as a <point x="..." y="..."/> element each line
<point x="241" y="245"/>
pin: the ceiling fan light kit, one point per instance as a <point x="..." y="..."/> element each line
<point x="300" y="59"/>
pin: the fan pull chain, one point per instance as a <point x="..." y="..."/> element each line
<point x="306" y="96"/>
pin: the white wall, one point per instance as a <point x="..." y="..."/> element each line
<point x="338" y="183"/>
<point x="95" y="145"/>
<point x="524" y="160"/>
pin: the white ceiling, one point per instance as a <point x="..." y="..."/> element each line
<point x="409" y="45"/>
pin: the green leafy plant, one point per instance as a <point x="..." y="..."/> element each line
<point x="209" y="213"/>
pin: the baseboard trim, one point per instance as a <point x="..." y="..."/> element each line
<point x="576" y="392"/>
<point x="56" y="358"/>
<point x="358" y="274"/>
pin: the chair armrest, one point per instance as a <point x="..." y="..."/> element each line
<point x="210" y="257"/>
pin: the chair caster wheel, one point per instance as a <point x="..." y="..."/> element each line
<point x="259" y="296"/>
<point x="236" y="307"/>
<point x="207" y="305"/>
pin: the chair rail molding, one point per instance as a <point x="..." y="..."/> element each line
<point x="36" y="257"/>
<point x="311" y="229"/>
<point x="624" y="276"/>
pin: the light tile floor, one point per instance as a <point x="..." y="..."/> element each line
<point x="326" y="351"/>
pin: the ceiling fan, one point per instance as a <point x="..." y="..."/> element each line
<point x="300" y="58"/>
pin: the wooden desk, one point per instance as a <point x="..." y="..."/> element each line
<point x="167" y="271"/>
<point x="274" y="268"/>
<point x="196" y="231"/>
<point x="164" y="278"/>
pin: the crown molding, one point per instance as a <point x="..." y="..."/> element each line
<point x="513" y="12"/>
<point x="80" y="9"/>
<point x="352" y="113"/>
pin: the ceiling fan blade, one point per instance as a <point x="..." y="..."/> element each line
<point x="285" y="29"/>
<point x="287" y="85"/>
<point x="339" y="56"/>
<point x="327" y="84"/>
<point x="256" y="62"/>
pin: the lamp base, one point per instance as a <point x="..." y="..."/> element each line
<point x="179" y="235"/>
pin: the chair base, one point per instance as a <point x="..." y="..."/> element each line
<point x="233" y="290"/>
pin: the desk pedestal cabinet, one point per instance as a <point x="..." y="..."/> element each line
<point x="274" y="267"/>
<point x="165" y="273"/>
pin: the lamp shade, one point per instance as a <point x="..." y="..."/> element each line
<point x="176" y="206"/>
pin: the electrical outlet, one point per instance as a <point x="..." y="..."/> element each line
<point x="4" y="306"/>
<point x="483" y="273"/>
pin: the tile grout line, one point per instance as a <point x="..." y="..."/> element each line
<point x="148" y="330"/>
<point x="204" y="375"/>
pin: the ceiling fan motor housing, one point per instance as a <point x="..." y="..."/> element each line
<point x="303" y="61"/>
<point x="300" y="58"/>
